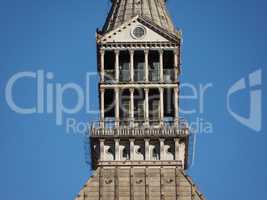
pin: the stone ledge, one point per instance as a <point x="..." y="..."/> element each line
<point x="140" y="163"/>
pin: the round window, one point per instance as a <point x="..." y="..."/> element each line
<point x="139" y="32"/>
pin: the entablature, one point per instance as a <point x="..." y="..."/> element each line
<point x="138" y="85"/>
<point x="157" y="163"/>
<point x="139" y="45"/>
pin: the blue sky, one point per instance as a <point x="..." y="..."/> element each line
<point x="223" y="41"/>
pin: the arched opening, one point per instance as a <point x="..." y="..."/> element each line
<point x="109" y="150"/>
<point x="124" y="150"/>
<point x="139" y="150"/>
<point x="169" y="149"/>
<point x="154" y="150"/>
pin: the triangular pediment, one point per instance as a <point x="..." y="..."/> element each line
<point x="126" y="33"/>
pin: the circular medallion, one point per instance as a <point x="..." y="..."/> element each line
<point x="138" y="32"/>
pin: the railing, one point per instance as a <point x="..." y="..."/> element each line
<point x="154" y="75"/>
<point x="139" y="75"/>
<point x="168" y="75"/>
<point x="109" y="75"/>
<point x="139" y="128"/>
<point x="124" y="75"/>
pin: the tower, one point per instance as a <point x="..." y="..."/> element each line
<point x="139" y="146"/>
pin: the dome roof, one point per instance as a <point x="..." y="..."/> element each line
<point x="152" y="10"/>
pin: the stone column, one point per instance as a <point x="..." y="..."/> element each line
<point x="117" y="65"/>
<point x="162" y="153"/>
<point x="176" y="141"/>
<point x="102" y="65"/>
<point x="147" y="149"/>
<point x="117" y="149"/>
<point x="117" y="106"/>
<point x="146" y="105"/>
<point x="161" y="91"/>
<point x="132" y="65"/>
<point x="176" y="105"/>
<point x="146" y="51"/>
<point x="102" y="107"/>
<point x="102" y="149"/>
<point x="161" y="65"/>
<point x="176" y="67"/>
<point x="131" y="149"/>
<point x="131" y="105"/>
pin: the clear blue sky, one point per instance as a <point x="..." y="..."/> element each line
<point x="223" y="41"/>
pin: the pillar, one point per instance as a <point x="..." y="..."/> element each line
<point x="162" y="153"/>
<point x="102" y="149"/>
<point x="102" y="107"/>
<point x="102" y="65"/>
<point x="176" y="142"/>
<point x="131" y="149"/>
<point x="176" y="105"/>
<point x="131" y="105"/>
<point x="146" y="105"/>
<point x="117" y="65"/>
<point x="117" y="106"/>
<point x="176" y="67"/>
<point x="117" y="149"/>
<point x="132" y="65"/>
<point x="161" y="65"/>
<point x="146" y="51"/>
<point x="147" y="149"/>
<point x="161" y="91"/>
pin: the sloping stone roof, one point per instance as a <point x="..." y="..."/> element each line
<point x="142" y="183"/>
<point x="151" y="10"/>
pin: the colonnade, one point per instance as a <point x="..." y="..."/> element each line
<point x="146" y="104"/>
<point x="146" y="65"/>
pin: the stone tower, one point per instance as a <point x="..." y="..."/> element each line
<point x="139" y="146"/>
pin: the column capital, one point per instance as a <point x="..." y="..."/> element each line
<point x="131" y="51"/>
<point x="131" y="139"/>
<point x="117" y="51"/>
<point x="161" y="51"/>
<point x="161" y="139"/>
<point x="101" y="140"/>
<point x="102" y="89"/>
<point x="146" y="90"/>
<point x="131" y="90"/>
<point x="146" y="51"/>
<point x="116" y="139"/>
<point x="176" y="51"/>
<point x="176" y="139"/>
<point x="102" y="51"/>
<point x="147" y="139"/>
